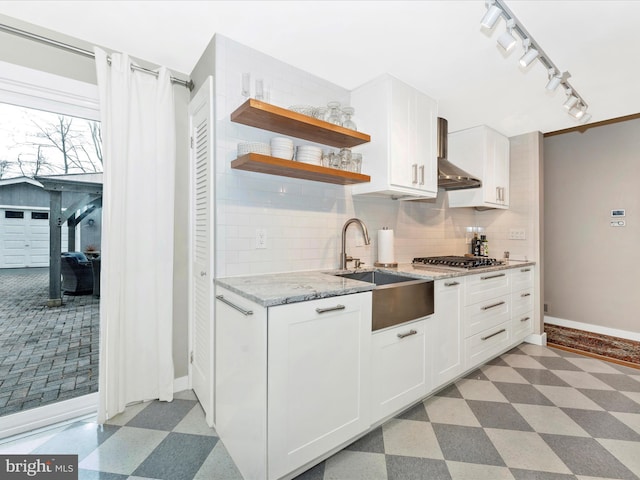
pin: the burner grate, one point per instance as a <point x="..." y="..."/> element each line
<point x="458" y="261"/>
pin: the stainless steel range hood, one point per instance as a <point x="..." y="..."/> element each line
<point x="451" y="177"/>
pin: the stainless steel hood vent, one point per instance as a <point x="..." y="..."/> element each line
<point x="451" y="177"/>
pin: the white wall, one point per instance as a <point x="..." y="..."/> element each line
<point x="303" y="219"/>
<point x="591" y="267"/>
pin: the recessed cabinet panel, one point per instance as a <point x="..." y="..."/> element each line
<point x="399" y="368"/>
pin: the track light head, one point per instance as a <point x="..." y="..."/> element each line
<point x="570" y="101"/>
<point x="530" y="53"/>
<point x="491" y="17"/>
<point x="507" y="41"/>
<point x="554" y="80"/>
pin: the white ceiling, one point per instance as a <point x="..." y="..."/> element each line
<point x="437" y="46"/>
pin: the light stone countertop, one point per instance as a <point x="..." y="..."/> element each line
<point x="291" y="287"/>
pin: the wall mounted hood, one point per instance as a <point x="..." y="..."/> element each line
<point x="451" y="177"/>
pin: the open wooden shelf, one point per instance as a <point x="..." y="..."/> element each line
<point x="254" y="162"/>
<point x="280" y="120"/>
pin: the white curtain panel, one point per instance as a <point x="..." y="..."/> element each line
<point x="138" y="131"/>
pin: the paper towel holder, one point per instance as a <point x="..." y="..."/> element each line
<point x="386" y="265"/>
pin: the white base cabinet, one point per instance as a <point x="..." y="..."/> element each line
<point x="522" y="302"/>
<point x="400" y="371"/>
<point x="445" y="331"/>
<point x="292" y="381"/>
<point x="487" y="316"/>
<point x="318" y="378"/>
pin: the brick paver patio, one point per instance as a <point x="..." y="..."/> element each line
<point x="46" y="354"/>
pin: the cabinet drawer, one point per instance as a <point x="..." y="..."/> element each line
<point x="483" y="315"/>
<point x="399" y="364"/>
<point x="522" y="324"/>
<point x="486" y="344"/>
<point x="522" y="278"/>
<point x="485" y="286"/>
<point x="522" y="301"/>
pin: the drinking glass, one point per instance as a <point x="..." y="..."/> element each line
<point x="345" y="159"/>
<point x="356" y="162"/>
<point x="334" y="116"/>
<point x="347" y="122"/>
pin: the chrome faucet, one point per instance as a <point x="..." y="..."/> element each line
<point x="343" y="254"/>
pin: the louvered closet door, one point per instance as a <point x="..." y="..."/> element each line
<point x="201" y="251"/>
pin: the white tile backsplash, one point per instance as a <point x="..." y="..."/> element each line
<point x="304" y="219"/>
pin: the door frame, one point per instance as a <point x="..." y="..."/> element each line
<point x="40" y="90"/>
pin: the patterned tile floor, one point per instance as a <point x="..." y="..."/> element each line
<point x="532" y="413"/>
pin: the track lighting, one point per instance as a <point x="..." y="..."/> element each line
<point x="507" y="41"/>
<point x="554" y="79"/>
<point x="491" y="17"/>
<point x="532" y="51"/>
<point x="585" y="118"/>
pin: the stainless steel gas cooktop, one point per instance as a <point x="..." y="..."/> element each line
<point x="456" y="262"/>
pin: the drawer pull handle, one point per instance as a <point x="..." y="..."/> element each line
<point x="525" y="319"/>
<point x="233" y="305"/>
<point x="451" y="284"/>
<point x="487" y="277"/>
<point x="494" y="334"/>
<point x="408" y="334"/>
<point x="330" y="309"/>
<point x="493" y="305"/>
<point x="525" y="294"/>
<point x="525" y="270"/>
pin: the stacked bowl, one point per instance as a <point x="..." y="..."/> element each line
<point x="253" y="147"/>
<point x="309" y="154"/>
<point x="282" y="147"/>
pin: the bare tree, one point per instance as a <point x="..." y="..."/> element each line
<point x="4" y="167"/>
<point x="56" y="144"/>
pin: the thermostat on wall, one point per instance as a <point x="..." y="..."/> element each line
<point x="617" y="213"/>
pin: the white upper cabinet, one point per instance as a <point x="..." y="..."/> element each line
<point x="484" y="153"/>
<point x="401" y="157"/>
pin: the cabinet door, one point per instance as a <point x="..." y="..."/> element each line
<point x="399" y="368"/>
<point x="496" y="187"/>
<point x="425" y="143"/>
<point x="401" y="157"/>
<point x="483" y="153"/>
<point x="319" y="371"/>
<point x="403" y="166"/>
<point x="445" y="331"/>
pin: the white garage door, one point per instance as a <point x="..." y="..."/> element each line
<point x="24" y="238"/>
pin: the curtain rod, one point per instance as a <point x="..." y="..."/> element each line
<point x="80" y="51"/>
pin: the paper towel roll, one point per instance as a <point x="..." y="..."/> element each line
<point x="385" y="246"/>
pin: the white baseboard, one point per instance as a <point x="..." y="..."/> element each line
<point x="537" y="339"/>
<point x="39" y="417"/>
<point x="180" y="384"/>
<point x="588" y="327"/>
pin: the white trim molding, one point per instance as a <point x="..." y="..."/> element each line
<point x="44" y="91"/>
<point x="537" y="339"/>
<point x="39" y="417"/>
<point x="180" y="384"/>
<point x="588" y="327"/>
